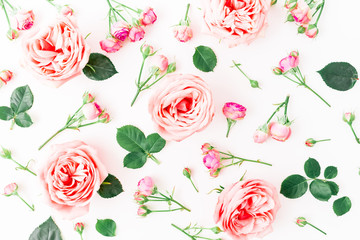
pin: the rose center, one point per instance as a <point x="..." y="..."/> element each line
<point x="184" y="105"/>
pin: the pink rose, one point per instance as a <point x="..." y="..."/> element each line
<point x="234" y="111"/>
<point x="260" y="136"/>
<point x="312" y="32"/>
<point x="181" y="106"/>
<point x="120" y="30"/>
<point x="161" y="62"/>
<point x="301" y="12"/>
<point x="10" y="189"/>
<point x="236" y="21"/>
<point x="146" y="186"/>
<point x="148" y="16"/>
<point x="58" y="53"/>
<point x="24" y="19"/>
<point x="110" y="45"/>
<point x="71" y="176"/>
<point x="288" y="63"/>
<point x="6" y="76"/>
<point x="247" y="209"/>
<point x="183" y="33"/>
<point x="279" y="131"/>
<point x="136" y="33"/>
<point x="205" y="148"/>
<point x="212" y="160"/>
<point x="91" y="110"/>
<point x="66" y="10"/>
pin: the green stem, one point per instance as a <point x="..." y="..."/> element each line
<point x="11" y="6"/>
<point x="178" y="228"/>
<point x="72" y="117"/>
<point x="353" y="131"/>
<point x="237" y="66"/>
<point x="140" y="88"/>
<point x="286" y="107"/>
<point x="306" y="86"/>
<point x="173" y="200"/>
<point x="141" y="70"/>
<point x="193" y="185"/>
<point x="85" y="125"/>
<point x="136" y="96"/>
<point x="292" y="80"/>
<point x="321" y="10"/>
<point x="147" y="87"/>
<point x="152" y="157"/>
<point x="112" y="9"/>
<point x="244" y="159"/>
<point x="6" y="14"/>
<point x="31" y="207"/>
<point x="54" y="135"/>
<point x="316" y="228"/>
<point x="51" y="2"/>
<point x="204" y="238"/>
<point x="231" y="123"/>
<point x="81" y="236"/>
<point x="187" y="12"/>
<point x="169" y="210"/>
<point x="277" y="109"/>
<point x="23" y="168"/>
<point x="124" y="6"/>
<point x="12" y="124"/>
<point x="323" y="140"/>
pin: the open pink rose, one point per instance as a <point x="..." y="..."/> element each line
<point x="24" y="19"/>
<point x="71" y="176"/>
<point x="247" y="209"/>
<point x="181" y="106"/>
<point x="148" y="16"/>
<point x="146" y="186"/>
<point x="279" y="131"/>
<point x="183" y="33"/>
<point x="236" y="21"/>
<point x="301" y="12"/>
<point x="57" y="53"/>
<point x="288" y="63"/>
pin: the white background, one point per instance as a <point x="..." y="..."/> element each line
<point x="338" y="41"/>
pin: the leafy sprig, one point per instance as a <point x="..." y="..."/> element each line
<point x="193" y="231"/>
<point x="6" y="154"/>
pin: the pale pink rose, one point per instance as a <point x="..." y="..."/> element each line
<point x="301" y="12"/>
<point x="66" y="10"/>
<point x="247" y="209"/>
<point x="120" y="30"/>
<point x="288" y="63"/>
<point x="312" y="33"/>
<point x="279" y="131"/>
<point x="212" y="160"/>
<point x="234" y="111"/>
<point x="349" y="117"/>
<point x="148" y="16"/>
<point x="183" y="33"/>
<point x="236" y="21"/>
<point x="142" y="211"/>
<point x="205" y="148"/>
<point x="71" y="177"/>
<point x="6" y="76"/>
<point x="56" y="54"/>
<point x="10" y="189"/>
<point x="110" y="45"/>
<point x="260" y="136"/>
<point x="136" y="33"/>
<point x="161" y="62"/>
<point x="91" y="110"/>
<point x="146" y="186"/>
<point x="24" y="19"/>
<point x="181" y="105"/>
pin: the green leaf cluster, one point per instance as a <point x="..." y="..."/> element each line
<point x="297" y="185"/>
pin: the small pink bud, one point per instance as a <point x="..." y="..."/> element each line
<point x="104" y="118"/>
<point x="349" y="117"/>
<point x="10" y="189"/>
<point x="234" y="111"/>
<point x="294" y="54"/>
<point x="279" y="131"/>
<point x="288" y="63"/>
<point x="148" y="16"/>
<point x="110" y="45"/>
<point x="66" y="11"/>
<point x="120" y="30"/>
<point x="260" y="136"/>
<point x="277" y="71"/>
<point x="161" y="62"/>
<point x="183" y="33"/>
<point x="6" y="76"/>
<point x="310" y="142"/>
<point x="79" y="227"/>
<point x="88" y="98"/>
<point x="146" y="186"/>
<point x="12" y="34"/>
<point x="212" y="159"/>
<point x="301" y="221"/>
<point x="24" y="19"/>
<point x="215" y="172"/>
<point x="312" y="31"/>
<point x="91" y="110"/>
<point x="136" y="33"/>
<point x="139" y="198"/>
<point x="205" y="148"/>
<point x="147" y="49"/>
<point x="187" y="172"/>
<point x="143" y="211"/>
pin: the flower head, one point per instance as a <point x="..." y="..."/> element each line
<point x="183" y="33"/>
<point x="6" y="76"/>
<point x="301" y="12"/>
<point x="187" y="172"/>
<point x="140" y="198"/>
<point x="310" y="142"/>
<point x="110" y="45"/>
<point x="260" y="136"/>
<point x="289" y="62"/>
<point x="104" y="118"/>
<point x="24" y="19"/>
<point x="88" y="98"/>
<point x="120" y="30"/>
<point x="212" y="161"/>
<point x="312" y="31"/>
<point x="206" y="147"/>
<point x="234" y="111"/>
<point x="146" y="186"/>
<point x="148" y="16"/>
<point x="143" y="211"/>
<point x="280" y="132"/>
<point x="66" y="11"/>
<point x="91" y="110"/>
<point x="10" y="189"/>
<point x="160" y="63"/>
<point x="301" y="221"/>
<point x="349" y="117"/>
<point x="79" y="227"/>
<point x="136" y="33"/>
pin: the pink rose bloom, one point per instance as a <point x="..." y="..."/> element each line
<point x="301" y="12"/>
<point x="181" y="106"/>
<point x="91" y="110"/>
<point x="288" y="63"/>
<point x="120" y="30"/>
<point x="146" y="186"/>
<point x="110" y="45"/>
<point x="312" y="33"/>
<point x="234" y="111"/>
<point x="71" y="177"/>
<point x="66" y="10"/>
<point x="148" y="16"/>
<point x="6" y="76"/>
<point x="279" y="131"/>
<point x="161" y="62"/>
<point x="260" y="136"/>
<point x="247" y="209"/>
<point x="236" y="21"/>
<point x="56" y="54"/>
<point x="205" y="148"/>
<point x="212" y="160"/>
<point x="183" y="33"/>
<point x="136" y="33"/>
<point x="10" y="189"/>
<point x="24" y="19"/>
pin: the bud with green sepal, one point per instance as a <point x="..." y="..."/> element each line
<point x="187" y="174"/>
<point x="310" y="142"/>
<point x="349" y="118"/>
<point x="301" y="222"/>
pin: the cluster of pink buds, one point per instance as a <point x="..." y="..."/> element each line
<point x="5" y="77"/>
<point x="147" y="191"/>
<point x="302" y="13"/>
<point x="233" y="113"/>
<point x="122" y="29"/>
<point x="182" y="31"/>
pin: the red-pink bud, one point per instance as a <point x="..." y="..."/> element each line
<point x="88" y="98"/>
<point x="110" y="45"/>
<point x="310" y="142"/>
<point x="148" y="16"/>
<point x="120" y="30"/>
<point x="279" y="131"/>
<point x="12" y="34"/>
<point x="183" y="33"/>
<point x="91" y="110"/>
<point x="104" y="118"/>
<point x="79" y="227"/>
<point x="66" y="11"/>
<point x="24" y="19"/>
<point x="161" y="62"/>
<point x="136" y="33"/>
<point x="10" y="189"/>
<point x="234" y="111"/>
<point x="206" y="147"/>
<point x="6" y="76"/>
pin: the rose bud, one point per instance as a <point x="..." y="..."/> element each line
<point x="301" y="29"/>
<point x="187" y="172"/>
<point x="349" y="117"/>
<point x="104" y="118"/>
<point x="147" y="50"/>
<point x="215" y="172"/>
<point x="136" y="33"/>
<point x="88" y="98"/>
<point x="146" y="186"/>
<point x="6" y="76"/>
<point x="143" y="211"/>
<point x="183" y="33"/>
<point x="24" y="19"/>
<point x="10" y="189"/>
<point x="277" y="71"/>
<point x="310" y="142"/>
<point x="110" y="45"/>
<point x="12" y="34"/>
<point x="312" y="31"/>
<point x="216" y="230"/>
<point x="279" y="131"/>
<point x="79" y="227"/>
<point x="301" y="12"/>
<point x="233" y="112"/>
<point x="66" y="11"/>
<point x="205" y="148"/>
<point x="161" y="63"/>
<point x="289" y="4"/>
<point x="140" y="199"/>
<point x="148" y="16"/>
<point x="91" y="110"/>
<point x="260" y="136"/>
<point x="120" y="30"/>
<point x="212" y="159"/>
<point x="288" y="63"/>
<point x="301" y="221"/>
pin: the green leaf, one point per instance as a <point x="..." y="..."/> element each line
<point x="154" y="143"/>
<point x="204" y="59"/>
<point x="99" y="67"/>
<point x="320" y="190"/>
<point x="330" y="172"/>
<point x="21" y="99"/>
<point x="312" y="168"/>
<point x="111" y="187"/>
<point x="294" y="186"/>
<point x="340" y="76"/>
<point x="106" y="227"/>
<point x="46" y="231"/>
<point x="135" y="160"/>
<point x="131" y="138"/>
<point x="23" y="120"/>
<point x="334" y="188"/>
<point x="342" y="206"/>
<point x="6" y="113"/>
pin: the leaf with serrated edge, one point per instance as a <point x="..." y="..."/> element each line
<point x="99" y="67"/>
<point x="131" y="138"/>
<point x="340" y="76"/>
<point x="110" y="187"/>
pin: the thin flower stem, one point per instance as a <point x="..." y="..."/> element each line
<point x="54" y="135"/>
<point x="203" y="238"/>
<point x="85" y="125"/>
<point x="113" y="10"/>
<point x="12" y="124"/>
<point x="22" y="167"/>
<point x="49" y="1"/>
<point x="244" y="159"/>
<point x="193" y="185"/>
<point x="31" y="207"/>
<point x="141" y="70"/>
<point x="321" y="10"/>
<point x="11" y="6"/>
<point x="72" y="117"/>
<point x="236" y="65"/>
<point x="353" y="131"/>
<point x="306" y="86"/>
<point x="187" y="12"/>
<point x="286" y="107"/>
<point x="277" y="109"/>
<point x="173" y="200"/>
<point x="151" y="196"/>
<point x="124" y="6"/>
<point x="140" y="87"/>
<point x="169" y="210"/>
<point x="147" y="87"/>
<point x="316" y="228"/>
<point x="6" y="14"/>
<point x="292" y="80"/>
<point x="323" y="140"/>
<point x="178" y="228"/>
<point x="152" y="157"/>
<point x="81" y="236"/>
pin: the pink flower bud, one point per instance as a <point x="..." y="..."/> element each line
<point x="148" y="16"/>
<point x="212" y="160"/>
<point x="234" y="111"/>
<point x="312" y="31"/>
<point x="143" y="211"/>
<point x="260" y="136"/>
<point x="110" y="45"/>
<point x="66" y="11"/>
<point x="277" y="71"/>
<point x="205" y="148"/>
<point x="294" y="54"/>
<point x="12" y="34"/>
<point x="79" y="227"/>
<point x="290" y="4"/>
<point x="120" y="30"/>
<point x="91" y="110"/>
<point x="161" y="62"/>
<point x="215" y="172"/>
<point x="136" y="33"/>
<point x="310" y="142"/>
<point x="88" y="98"/>
<point x="104" y="118"/>
<point x="301" y="12"/>
<point x="183" y="33"/>
<point x="288" y="63"/>
<point x="139" y="198"/>
<point x="147" y="49"/>
<point x="146" y="186"/>
<point x="187" y="172"/>
<point x="24" y="19"/>
<point x="301" y="221"/>
<point x="349" y="117"/>
<point x="279" y="131"/>
<point x="6" y="76"/>
<point x="10" y="189"/>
